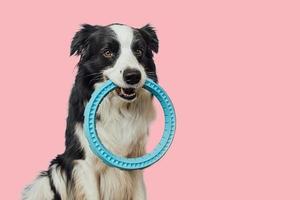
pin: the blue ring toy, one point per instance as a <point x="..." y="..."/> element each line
<point x="129" y="163"/>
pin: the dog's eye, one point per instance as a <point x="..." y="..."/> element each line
<point x="108" y="54"/>
<point x="138" y="52"/>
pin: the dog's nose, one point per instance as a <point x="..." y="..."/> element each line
<point x="132" y="76"/>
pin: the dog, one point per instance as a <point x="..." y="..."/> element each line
<point x="124" y="55"/>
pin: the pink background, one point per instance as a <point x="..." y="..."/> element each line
<point x="231" y="67"/>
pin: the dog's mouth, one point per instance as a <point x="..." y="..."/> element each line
<point x="128" y="94"/>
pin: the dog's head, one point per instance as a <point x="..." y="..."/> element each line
<point x="117" y="52"/>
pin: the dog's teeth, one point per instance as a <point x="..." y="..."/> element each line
<point x="131" y="95"/>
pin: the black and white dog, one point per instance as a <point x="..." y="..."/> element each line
<point x="124" y="55"/>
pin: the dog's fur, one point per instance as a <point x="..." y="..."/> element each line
<point x="122" y="124"/>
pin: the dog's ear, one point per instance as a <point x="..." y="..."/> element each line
<point x="79" y="43"/>
<point x="149" y="35"/>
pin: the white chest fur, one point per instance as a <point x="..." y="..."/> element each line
<point x="123" y="129"/>
<point x="123" y="126"/>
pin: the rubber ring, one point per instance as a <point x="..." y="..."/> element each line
<point x="129" y="163"/>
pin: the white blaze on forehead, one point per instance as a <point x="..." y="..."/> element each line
<point x="124" y="35"/>
<point x="126" y="57"/>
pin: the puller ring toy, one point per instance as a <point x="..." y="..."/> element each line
<point x="121" y="162"/>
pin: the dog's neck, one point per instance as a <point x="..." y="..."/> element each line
<point x="123" y="127"/>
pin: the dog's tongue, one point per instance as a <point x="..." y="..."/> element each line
<point x="128" y="90"/>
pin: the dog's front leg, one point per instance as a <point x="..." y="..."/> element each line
<point x="85" y="182"/>
<point x="139" y="189"/>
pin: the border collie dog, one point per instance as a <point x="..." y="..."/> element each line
<point x="124" y="55"/>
